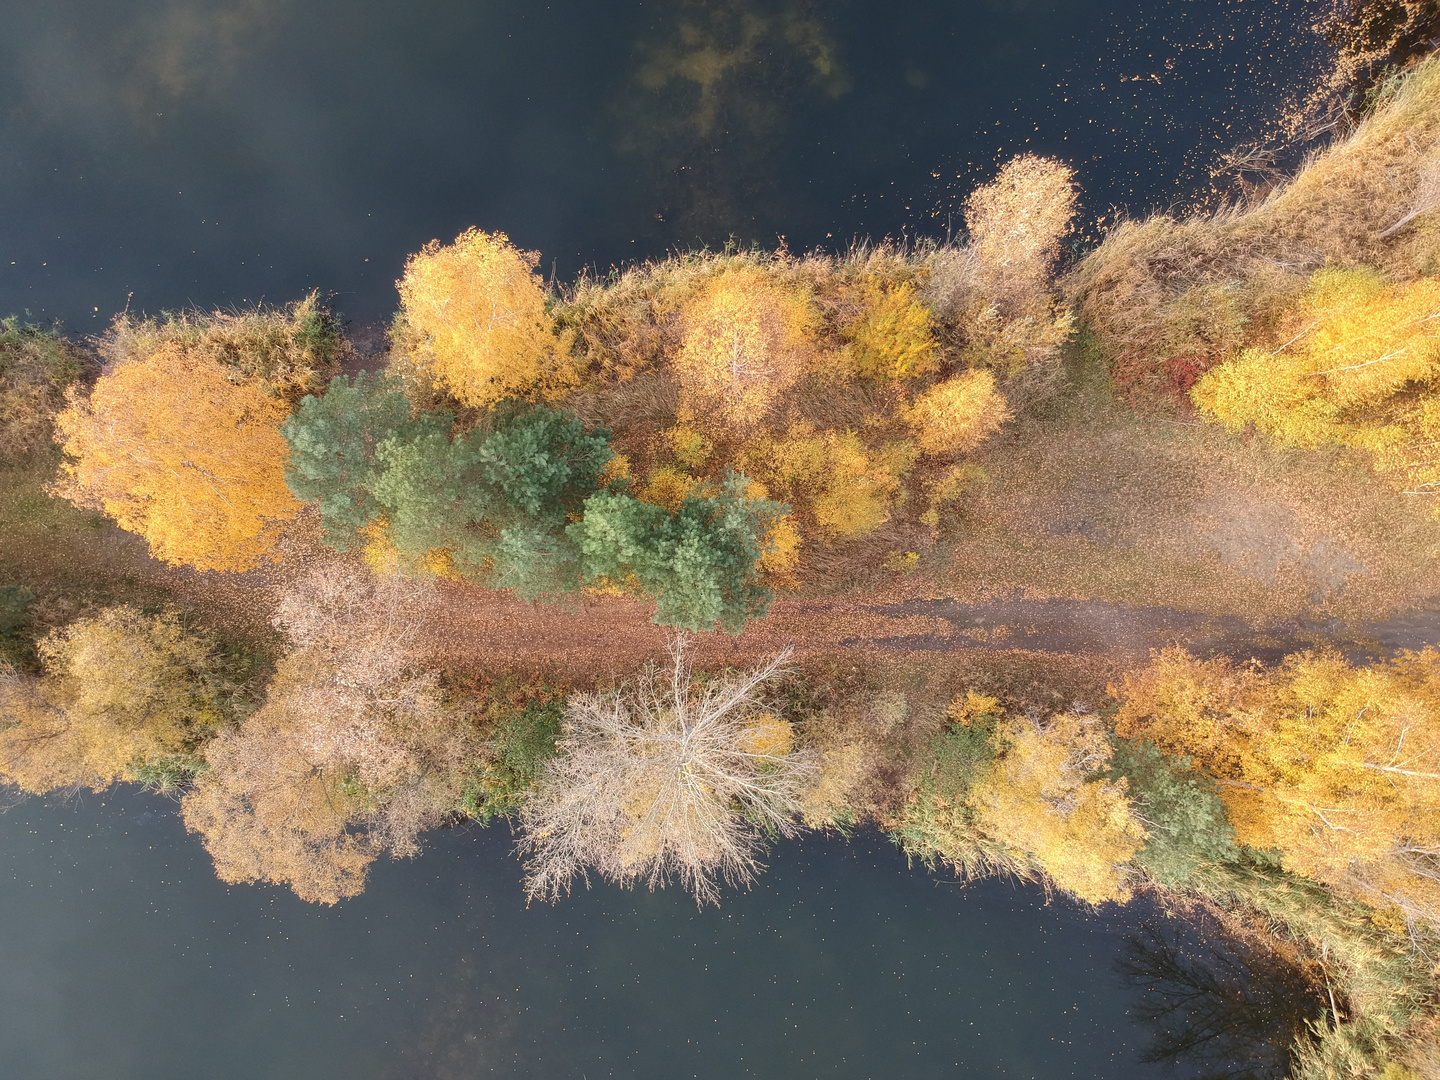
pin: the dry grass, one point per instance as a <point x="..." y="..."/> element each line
<point x="294" y="350"/>
<point x="1095" y="501"/>
<point x="36" y="368"/>
<point x="1170" y="298"/>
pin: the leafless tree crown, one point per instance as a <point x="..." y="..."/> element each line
<point x="671" y="778"/>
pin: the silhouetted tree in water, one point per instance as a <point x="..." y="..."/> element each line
<point x="1221" y="1007"/>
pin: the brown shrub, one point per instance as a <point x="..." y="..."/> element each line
<point x="36" y="368"/>
<point x="353" y="753"/>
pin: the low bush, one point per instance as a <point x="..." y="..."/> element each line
<point x="37" y="367"/>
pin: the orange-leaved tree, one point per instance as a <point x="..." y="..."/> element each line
<point x="177" y="451"/>
<point x="473" y="317"/>
<point x="746" y="340"/>
<point x="1335" y="766"/>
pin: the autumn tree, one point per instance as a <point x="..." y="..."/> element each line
<point x="845" y="488"/>
<point x="700" y="562"/>
<point x="1016" y="224"/>
<point x="1046" y="794"/>
<point x="177" y="451"/>
<point x="352" y="754"/>
<point x="956" y="415"/>
<point x="894" y="336"/>
<point x="673" y="778"/>
<point x="1360" y="368"/>
<point x="473" y="316"/>
<point x="1026" y="797"/>
<point x="1334" y="766"/>
<point x="746" y="341"/>
<point x="124" y="696"/>
<point x="941" y="824"/>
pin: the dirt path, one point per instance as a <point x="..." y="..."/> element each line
<point x="472" y="628"/>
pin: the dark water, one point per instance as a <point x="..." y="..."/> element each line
<point x="218" y="151"/>
<point x="121" y="956"/>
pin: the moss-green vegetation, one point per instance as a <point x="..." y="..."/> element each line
<point x="523" y="729"/>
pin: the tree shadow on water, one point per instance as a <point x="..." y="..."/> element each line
<point x="1222" y="1005"/>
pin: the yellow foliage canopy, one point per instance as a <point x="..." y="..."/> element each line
<point x="1360" y="370"/>
<point x="1335" y="766"/>
<point x="847" y="489"/>
<point x="122" y="691"/>
<point x="747" y="339"/>
<point x="958" y="414"/>
<point x="1041" y="798"/>
<point x="473" y="315"/>
<point x="894" y="337"/>
<point x="175" y="451"/>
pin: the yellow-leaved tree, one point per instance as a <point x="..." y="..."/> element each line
<point x="125" y="696"/>
<point x="894" y="336"/>
<point x="177" y="451"/>
<point x="1335" y="766"/>
<point x="958" y="414"/>
<point x="746" y="340"/>
<point x="473" y="317"/>
<point x="1360" y="368"/>
<point x="845" y="489"/>
<point x="1044" y="797"/>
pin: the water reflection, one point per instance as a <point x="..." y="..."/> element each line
<point x="218" y="151"/>
<point x="713" y="100"/>
<point x="1223" y="1005"/>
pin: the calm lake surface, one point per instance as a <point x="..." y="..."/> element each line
<point x="160" y="153"/>
<point x="209" y="152"/>
<point x="122" y="956"/>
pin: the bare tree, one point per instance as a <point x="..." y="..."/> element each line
<point x="353" y="753"/>
<point x="673" y="777"/>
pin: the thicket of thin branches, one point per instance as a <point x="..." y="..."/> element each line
<point x="353" y="753"/>
<point x="670" y="778"/>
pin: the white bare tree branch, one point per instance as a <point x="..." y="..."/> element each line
<point x="672" y="779"/>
